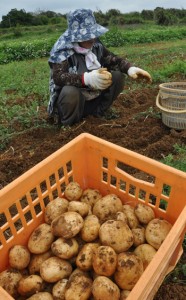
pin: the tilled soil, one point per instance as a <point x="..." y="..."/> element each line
<point x="134" y="122"/>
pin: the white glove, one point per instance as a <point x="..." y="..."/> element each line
<point x="99" y="79"/>
<point x="135" y="73"/>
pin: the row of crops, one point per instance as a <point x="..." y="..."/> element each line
<point x="19" y="49"/>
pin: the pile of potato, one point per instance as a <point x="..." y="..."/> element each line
<point x="89" y="247"/>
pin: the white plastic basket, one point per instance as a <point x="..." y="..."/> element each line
<point x="171" y="100"/>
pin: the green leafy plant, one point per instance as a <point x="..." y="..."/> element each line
<point x="32" y="45"/>
<point x="178" y="275"/>
<point x="112" y="113"/>
<point x="177" y="160"/>
<point x="150" y="112"/>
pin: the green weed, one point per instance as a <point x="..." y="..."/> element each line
<point x="178" y="275"/>
<point x="178" y="159"/>
<point x="111" y="114"/>
<point x="24" y="91"/>
<point x="150" y="112"/>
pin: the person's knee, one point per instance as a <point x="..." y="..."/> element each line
<point x="70" y="105"/>
<point x="118" y="78"/>
<point x="70" y="96"/>
<point x="118" y="81"/>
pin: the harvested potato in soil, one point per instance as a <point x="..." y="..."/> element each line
<point x="73" y="191"/>
<point x="156" y="232"/>
<point x="67" y="225"/>
<point x="107" y="207"/>
<point x="116" y="234"/>
<point x="19" y="257"/>
<point x="128" y="271"/>
<point x="104" y="261"/>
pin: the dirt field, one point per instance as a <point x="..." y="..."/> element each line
<point x="134" y="122"/>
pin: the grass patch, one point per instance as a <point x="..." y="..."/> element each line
<point x="164" y="60"/>
<point x="24" y="78"/>
<point x="178" y="159"/>
<point x="23" y="96"/>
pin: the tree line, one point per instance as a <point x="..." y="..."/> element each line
<point x="159" y="16"/>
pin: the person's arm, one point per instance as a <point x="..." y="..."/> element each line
<point x="62" y="76"/>
<point x="96" y="79"/>
<point x="114" y="62"/>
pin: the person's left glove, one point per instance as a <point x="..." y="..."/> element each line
<point x="135" y="73"/>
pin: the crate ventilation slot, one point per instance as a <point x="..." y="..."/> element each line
<point x="128" y="180"/>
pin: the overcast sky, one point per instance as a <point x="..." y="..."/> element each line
<point x="64" y="6"/>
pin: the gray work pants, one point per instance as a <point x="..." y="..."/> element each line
<point x="72" y="105"/>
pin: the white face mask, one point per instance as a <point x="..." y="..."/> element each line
<point x="90" y="58"/>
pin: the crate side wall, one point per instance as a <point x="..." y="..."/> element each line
<point x="104" y="173"/>
<point x="24" y="200"/>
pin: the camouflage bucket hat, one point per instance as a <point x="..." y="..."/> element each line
<point x="82" y="26"/>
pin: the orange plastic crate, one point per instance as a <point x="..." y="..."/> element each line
<point x="96" y="163"/>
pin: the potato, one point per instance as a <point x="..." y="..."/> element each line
<point x="107" y="207"/>
<point x="90" y="196"/>
<point x="67" y="225"/>
<point x="90" y="229"/>
<point x="85" y="256"/>
<point x="80" y="207"/>
<point x="54" y="269"/>
<point x="156" y="232"/>
<point x="19" y="257"/>
<point x="55" y="208"/>
<point x="139" y="235"/>
<point x="116" y="234"/>
<point x="144" y="213"/>
<point x="124" y="294"/>
<point x="104" y="261"/>
<point x="105" y="288"/>
<point x="128" y="271"/>
<point x="79" y="272"/>
<point x="121" y="216"/>
<point x="30" y="285"/>
<point x="64" y="248"/>
<point x="132" y="220"/>
<point x="59" y="289"/>
<point x="41" y="296"/>
<point x="107" y="73"/>
<point x="79" y="287"/>
<point x="73" y="191"/>
<point x="9" y="280"/>
<point x="41" y="239"/>
<point x="36" y="261"/>
<point x="146" y="252"/>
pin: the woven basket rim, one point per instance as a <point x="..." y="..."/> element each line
<point x="163" y="86"/>
<point x="165" y="109"/>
